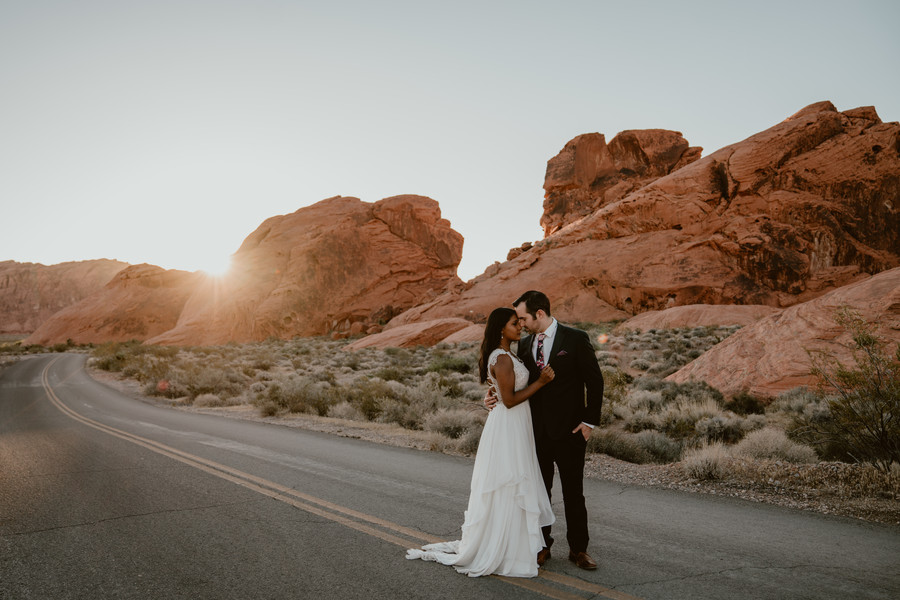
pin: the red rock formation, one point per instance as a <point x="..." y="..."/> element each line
<point x="695" y="315"/>
<point x="770" y="356"/>
<point x="588" y="174"/>
<point x="782" y="217"/>
<point x="323" y="269"/>
<point x="428" y="333"/>
<point x="140" y="302"/>
<point x="30" y="293"/>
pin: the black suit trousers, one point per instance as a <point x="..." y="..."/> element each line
<point x="567" y="454"/>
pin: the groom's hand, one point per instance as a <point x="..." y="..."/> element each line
<point x="490" y="399"/>
<point x="584" y="429"/>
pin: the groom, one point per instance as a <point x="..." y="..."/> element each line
<point x="563" y="412"/>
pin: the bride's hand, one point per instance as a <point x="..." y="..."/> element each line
<point x="547" y="374"/>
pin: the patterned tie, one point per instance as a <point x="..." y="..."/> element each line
<point x="540" y="350"/>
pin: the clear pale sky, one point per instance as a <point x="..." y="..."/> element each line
<point x="166" y="131"/>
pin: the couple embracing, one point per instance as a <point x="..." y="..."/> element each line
<point x="550" y="393"/>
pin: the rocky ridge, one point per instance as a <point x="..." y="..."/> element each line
<point x="30" y="293"/>
<point x="772" y="355"/>
<point x="140" y="302"/>
<point x="802" y="208"/>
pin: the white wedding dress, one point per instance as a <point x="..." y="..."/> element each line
<point x="508" y="504"/>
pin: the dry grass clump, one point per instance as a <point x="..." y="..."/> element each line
<point x="453" y="422"/>
<point x="706" y="462"/>
<point x="641" y="448"/>
<point x="770" y="443"/>
<point x="823" y="479"/>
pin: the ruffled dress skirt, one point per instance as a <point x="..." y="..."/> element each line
<point x="508" y="503"/>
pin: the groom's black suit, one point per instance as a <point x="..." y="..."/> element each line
<point x="574" y="396"/>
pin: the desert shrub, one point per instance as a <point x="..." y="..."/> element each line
<point x="399" y="356"/>
<point x="452" y="423"/>
<point x="863" y="400"/>
<point x="301" y="394"/>
<point x="208" y="400"/>
<point x="196" y="379"/>
<point x="438" y="443"/>
<point x="640" y="364"/>
<point x="679" y="420"/>
<point x="745" y="403"/>
<point x="393" y="374"/>
<point x="451" y="387"/>
<point x="706" y="462"/>
<point x="269" y="409"/>
<point x="606" y="358"/>
<point x="794" y="401"/>
<point x="644" y="399"/>
<point x="262" y="364"/>
<point x="400" y="411"/>
<point x="326" y="375"/>
<point x="640" y="420"/>
<point x="113" y="356"/>
<point x="727" y="428"/>
<point x="623" y="446"/>
<point x="472" y="390"/>
<point x="661" y="369"/>
<point x="660" y="448"/>
<point x="671" y="391"/>
<point x="468" y="441"/>
<point x="621" y="412"/>
<point x="772" y="443"/>
<point x="345" y="410"/>
<point x="458" y="364"/>
<point x="615" y="383"/>
<point x="367" y="396"/>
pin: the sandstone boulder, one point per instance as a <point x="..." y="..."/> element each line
<point x="31" y="293"/>
<point x="140" y="302"/>
<point x="588" y="173"/>
<point x="337" y="266"/>
<point x="770" y="356"/>
<point x="697" y="315"/>
<point x="470" y="333"/>
<point x="803" y="208"/>
<point x="428" y="333"/>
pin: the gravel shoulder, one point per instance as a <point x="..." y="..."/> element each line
<point x="819" y="487"/>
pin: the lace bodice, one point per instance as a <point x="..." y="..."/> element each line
<point x="519" y="368"/>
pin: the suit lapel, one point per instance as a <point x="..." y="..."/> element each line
<point x="557" y="341"/>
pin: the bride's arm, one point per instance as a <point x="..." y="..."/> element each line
<point x="506" y="381"/>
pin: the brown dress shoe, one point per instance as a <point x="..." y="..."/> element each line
<point x="582" y="560"/>
<point x="543" y="555"/>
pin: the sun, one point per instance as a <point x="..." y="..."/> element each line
<point x="216" y="266"/>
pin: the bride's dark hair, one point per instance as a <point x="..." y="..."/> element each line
<point x="495" y="324"/>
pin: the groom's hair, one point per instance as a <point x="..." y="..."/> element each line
<point x="534" y="301"/>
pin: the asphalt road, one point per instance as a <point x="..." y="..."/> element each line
<point x="104" y="496"/>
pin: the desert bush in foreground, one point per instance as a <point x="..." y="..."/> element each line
<point x="706" y="462"/>
<point x="744" y="403"/>
<point x="771" y="443"/>
<point x="453" y="422"/>
<point x="863" y="400"/>
<point x="617" y="444"/>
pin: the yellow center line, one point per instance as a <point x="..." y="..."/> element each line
<point x="323" y="508"/>
<point x="585" y="586"/>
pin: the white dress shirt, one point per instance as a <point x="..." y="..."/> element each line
<point x="549" y="334"/>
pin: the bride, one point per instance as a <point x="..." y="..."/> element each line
<point x="508" y="504"/>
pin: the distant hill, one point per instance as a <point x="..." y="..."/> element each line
<point x="30" y="292"/>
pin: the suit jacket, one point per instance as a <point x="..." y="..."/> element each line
<point x="576" y="393"/>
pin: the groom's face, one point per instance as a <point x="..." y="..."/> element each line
<point x="526" y="319"/>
